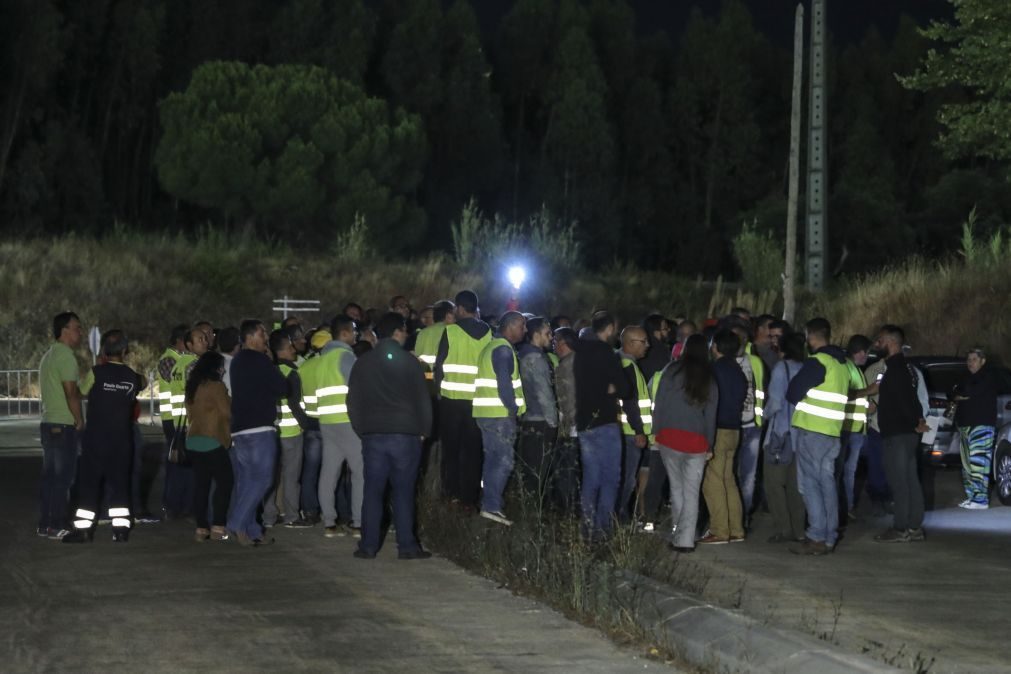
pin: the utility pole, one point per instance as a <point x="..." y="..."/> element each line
<point x="817" y="161"/>
<point x="790" y="264"/>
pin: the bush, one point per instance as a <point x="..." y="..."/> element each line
<point x="760" y="257"/>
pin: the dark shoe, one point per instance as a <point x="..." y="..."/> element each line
<point x="298" y="524"/>
<point x="811" y="548"/>
<point x="77" y="536"/>
<point x="201" y="535"/>
<point x="916" y="534"/>
<point x="414" y="554"/>
<point x="892" y="536"/>
<point x="57" y="534"/>
<point x="365" y="554"/>
<point x="260" y="542"/>
<point x="681" y="549"/>
<point x="42" y="532"/>
<point x="121" y="536"/>
<point x="314" y="518"/>
<point x="713" y="540"/>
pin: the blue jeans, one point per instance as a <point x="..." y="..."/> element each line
<point x="253" y="458"/>
<point x="816" y="454"/>
<point x="312" y="459"/>
<point x="747" y="466"/>
<point x="631" y="459"/>
<point x="394" y="459"/>
<point x="499" y="438"/>
<point x="59" y="463"/>
<point x="600" y="451"/>
<point x="852" y="444"/>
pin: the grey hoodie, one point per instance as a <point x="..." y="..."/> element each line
<point x="672" y="409"/>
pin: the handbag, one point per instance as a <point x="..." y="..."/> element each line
<point x="177" y="448"/>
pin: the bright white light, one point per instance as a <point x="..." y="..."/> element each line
<point x="517" y="275"/>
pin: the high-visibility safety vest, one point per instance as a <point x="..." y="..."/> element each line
<point x="459" y="370"/>
<point x="426" y="346"/>
<point x="823" y="409"/>
<point x="856" y="408"/>
<point x="758" y="372"/>
<point x="331" y="389"/>
<point x="165" y="385"/>
<point x="553" y="359"/>
<point x="307" y="374"/>
<point x="287" y="424"/>
<point x="644" y="401"/>
<point x="487" y="402"/>
<point x="178" y="385"/>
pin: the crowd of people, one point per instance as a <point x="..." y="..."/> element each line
<point x="589" y="419"/>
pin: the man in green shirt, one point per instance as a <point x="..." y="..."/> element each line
<point x="62" y="422"/>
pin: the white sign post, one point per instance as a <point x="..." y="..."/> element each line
<point x="94" y="343"/>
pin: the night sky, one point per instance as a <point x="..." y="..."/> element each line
<point x="847" y="19"/>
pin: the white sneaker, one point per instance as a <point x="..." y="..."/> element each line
<point x="972" y="505"/>
<point x="496" y="517"/>
<point x="647" y="528"/>
<point x="965" y="503"/>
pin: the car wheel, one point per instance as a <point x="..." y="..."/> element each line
<point x="1002" y="471"/>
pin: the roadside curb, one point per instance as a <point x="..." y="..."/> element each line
<point x="727" y="641"/>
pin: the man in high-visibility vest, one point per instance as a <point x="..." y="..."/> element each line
<point x="178" y="497"/>
<point x="426" y="344"/>
<point x="820" y="394"/>
<point x="636" y="416"/>
<point x="456" y="366"/>
<point x="312" y="439"/>
<point x="498" y="403"/>
<point x="291" y="420"/>
<point x="854" y="432"/>
<point x="340" y="443"/>
<point x="166" y="363"/>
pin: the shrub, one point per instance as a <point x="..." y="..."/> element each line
<point x="760" y="257"/>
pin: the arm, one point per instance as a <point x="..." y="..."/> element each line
<point x="619" y="380"/>
<point x="502" y="361"/>
<point x="440" y="358"/>
<point x="354" y="398"/>
<point x="420" y="394"/>
<point x="294" y="396"/>
<point x="73" y="395"/>
<point x="711" y="409"/>
<point x="630" y="405"/>
<point x="811" y="374"/>
<point x="777" y="393"/>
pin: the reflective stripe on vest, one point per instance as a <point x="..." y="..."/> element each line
<point x="165" y="405"/>
<point x="287" y="424"/>
<point x="331" y="389"/>
<point x="644" y="401"/>
<point x="823" y="409"/>
<point x="426" y="346"/>
<point x="178" y="385"/>
<point x="856" y="408"/>
<point x="460" y="368"/>
<point x="758" y="373"/>
<point x="487" y="403"/>
<point x="307" y="373"/>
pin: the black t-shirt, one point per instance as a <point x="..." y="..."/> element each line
<point x="110" y="403"/>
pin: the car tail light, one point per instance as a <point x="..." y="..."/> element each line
<point x="937" y="452"/>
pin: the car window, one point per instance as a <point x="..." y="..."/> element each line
<point x="943" y="378"/>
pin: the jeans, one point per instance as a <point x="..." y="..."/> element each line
<point x="253" y="457"/>
<point x="852" y="444"/>
<point x="631" y="459"/>
<point x="340" y="444"/>
<point x="213" y="466"/>
<point x="900" y="466"/>
<point x="747" y="466"/>
<point x="684" y="471"/>
<point x="726" y="518"/>
<point x="287" y="481"/>
<point x="59" y="463"/>
<point x="877" y="481"/>
<point x="600" y="451"/>
<point x="499" y="439"/>
<point x="815" y="456"/>
<point x="178" y="495"/>
<point x="394" y="459"/>
<point x="312" y="458"/>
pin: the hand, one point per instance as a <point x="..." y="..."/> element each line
<point x="640" y="441"/>
<point x="872" y="407"/>
<point x="709" y="455"/>
<point x="922" y="426"/>
<point x="79" y="424"/>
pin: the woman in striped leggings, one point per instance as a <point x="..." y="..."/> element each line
<point x="976" y="418"/>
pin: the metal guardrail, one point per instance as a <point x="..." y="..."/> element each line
<point x="20" y="394"/>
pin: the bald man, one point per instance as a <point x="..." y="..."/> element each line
<point x="636" y="416"/>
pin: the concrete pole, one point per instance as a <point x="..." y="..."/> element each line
<point x="817" y="164"/>
<point x="790" y="264"/>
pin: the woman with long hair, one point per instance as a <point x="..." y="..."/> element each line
<point x="685" y="396"/>
<point x="210" y="414"/>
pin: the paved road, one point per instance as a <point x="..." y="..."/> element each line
<point x="162" y="603"/>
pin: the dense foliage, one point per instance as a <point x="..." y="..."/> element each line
<point x="659" y="147"/>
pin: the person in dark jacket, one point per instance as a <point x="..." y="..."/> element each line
<point x="600" y="383"/>
<point x="539" y="426"/>
<point x="900" y="417"/>
<point x="723" y="499"/>
<point x="658" y="354"/>
<point x="390" y="408"/>
<point x="257" y="386"/>
<point x="976" y="419"/>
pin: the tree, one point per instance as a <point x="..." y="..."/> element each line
<point x="292" y="146"/>
<point x="974" y="58"/>
<point x="336" y="35"/>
